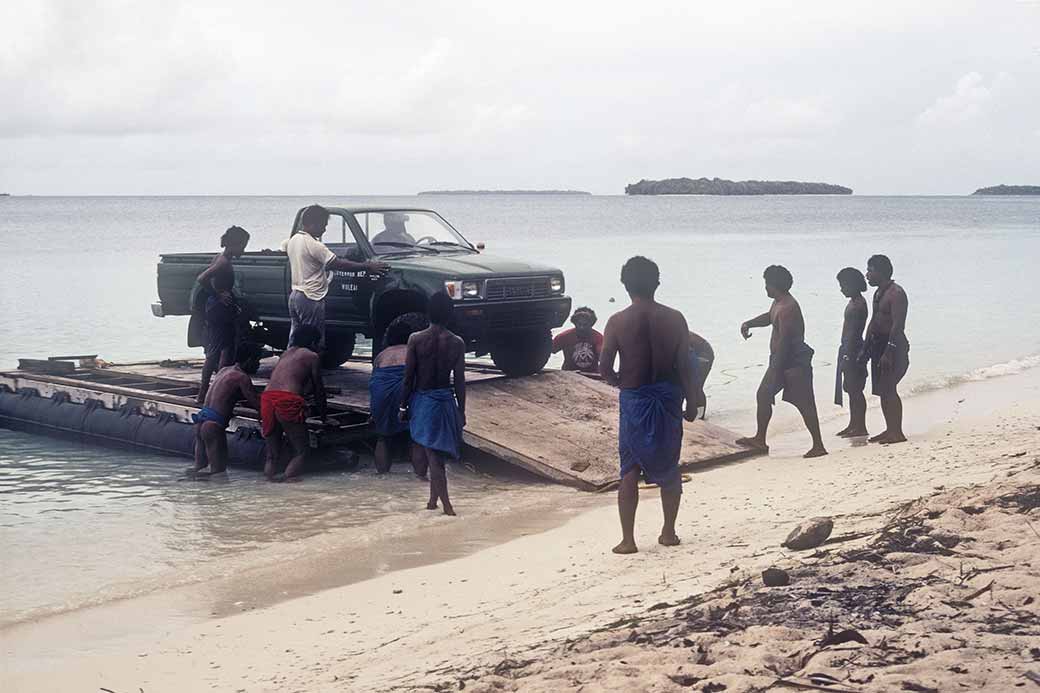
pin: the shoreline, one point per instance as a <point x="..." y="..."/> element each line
<point x="557" y="581"/>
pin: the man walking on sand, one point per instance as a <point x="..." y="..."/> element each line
<point x="434" y="395"/>
<point x="655" y="377"/>
<point x="887" y="347"/>
<point x="790" y="362"/>
<point x="310" y="262"/>
<point x="282" y="407"/>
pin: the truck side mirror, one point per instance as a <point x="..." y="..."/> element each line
<point x="480" y="245"/>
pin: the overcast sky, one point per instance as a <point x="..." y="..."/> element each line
<point x="394" y="97"/>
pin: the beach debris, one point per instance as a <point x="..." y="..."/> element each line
<point x="843" y="637"/>
<point x="1032" y="676"/>
<point x="809" y="534"/>
<point x="684" y="680"/>
<point x="398" y="591"/>
<point x="919" y="688"/>
<point x="775" y="577"/>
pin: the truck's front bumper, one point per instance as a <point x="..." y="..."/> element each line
<point x="157" y="310"/>
<point x="479" y="321"/>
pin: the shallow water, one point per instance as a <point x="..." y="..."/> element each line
<point x="84" y="525"/>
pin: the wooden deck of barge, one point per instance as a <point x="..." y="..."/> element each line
<point x="558" y="425"/>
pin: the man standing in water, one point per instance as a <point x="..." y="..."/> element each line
<point x="654" y="378"/>
<point x="229" y="386"/>
<point x="282" y="407"/>
<point x="434" y="395"/>
<point x="790" y="362"/>
<point x="310" y="262"/>
<point x="384" y="394"/>
<point x="851" y="376"/>
<point x="887" y="347"/>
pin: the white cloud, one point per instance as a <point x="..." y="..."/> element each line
<point x="972" y="99"/>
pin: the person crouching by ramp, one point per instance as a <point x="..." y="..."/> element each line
<point x="384" y="394"/>
<point x="655" y="377"/>
<point x="229" y="386"/>
<point x="282" y="407"/>
<point x="434" y="395"/>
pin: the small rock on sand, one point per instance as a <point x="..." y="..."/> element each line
<point x="809" y="534"/>
<point x="774" y="577"/>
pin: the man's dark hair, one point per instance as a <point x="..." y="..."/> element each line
<point x="778" y="276"/>
<point x="853" y="278"/>
<point x="584" y="310"/>
<point x="641" y="277"/>
<point x="234" y="234"/>
<point x="306" y="336"/>
<point x="248" y="352"/>
<point x="881" y="264"/>
<point x="402" y="327"/>
<point x="440" y="308"/>
<point x="314" y="217"/>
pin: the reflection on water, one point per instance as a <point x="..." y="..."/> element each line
<point x="80" y="525"/>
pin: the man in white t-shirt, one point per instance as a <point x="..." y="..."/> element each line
<point x="310" y="262"/>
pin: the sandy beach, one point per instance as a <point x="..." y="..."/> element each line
<point x="459" y="621"/>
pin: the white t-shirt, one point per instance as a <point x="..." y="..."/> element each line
<point x="308" y="259"/>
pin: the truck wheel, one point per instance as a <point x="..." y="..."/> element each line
<point x="339" y="346"/>
<point x="522" y="353"/>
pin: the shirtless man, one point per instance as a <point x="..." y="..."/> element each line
<point x="790" y="362"/>
<point x="230" y="385"/>
<point x="434" y="395"/>
<point x="887" y="347"/>
<point x="282" y="407"/>
<point x="654" y="379"/>
<point x="851" y="376"/>
<point x="385" y="388"/>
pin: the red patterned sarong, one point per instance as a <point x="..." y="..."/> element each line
<point x="279" y="406"/>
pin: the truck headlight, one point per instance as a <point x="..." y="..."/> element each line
<point x="556" y="285"/>
<point x="458" y="289"/>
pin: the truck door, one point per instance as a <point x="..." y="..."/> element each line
<point x="350" y="293"/>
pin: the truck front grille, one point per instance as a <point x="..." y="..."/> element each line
<point x="516" y="288"/>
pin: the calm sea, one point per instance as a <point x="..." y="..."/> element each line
<point x="77" y="276"/>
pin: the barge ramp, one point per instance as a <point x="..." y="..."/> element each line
<point x="558" y="425"/>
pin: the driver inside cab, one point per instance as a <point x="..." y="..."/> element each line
<point x="395" y="231"/>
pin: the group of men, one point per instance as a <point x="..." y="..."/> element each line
<point x="657" y="375"/>
<point x="418" y="385"/>
<point x="418" y="382"/>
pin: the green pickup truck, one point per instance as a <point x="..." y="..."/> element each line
<point x="503" y="307"/>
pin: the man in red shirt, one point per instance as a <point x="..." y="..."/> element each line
<point x="581" y="345"/>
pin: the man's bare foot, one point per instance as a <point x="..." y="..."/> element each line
<point x="815" y="451"/>
<point x="431" y="506"/>
<point x="893" y="439"/>
<point x="843" y="432"/>
<point x="753" y="443"/>
<point x="448" y="510"/>
<point x="625" y="547"/>
<point x="672" y="540"/>
<point x="878" y="438"/>
<point x="855" y="433"/>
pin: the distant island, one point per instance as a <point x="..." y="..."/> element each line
<point x="1009" y="190"/>
<point x="504" y="192"/>
<point x="720" y="186"/>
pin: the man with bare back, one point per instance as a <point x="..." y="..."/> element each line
<point x="230" y="385"/>
<point x="790" y="362"/>
<point x="886" y="347"/>
<point x="434" y="395"/>
<point x="655" y="376"/>
<point x="282" y="406"/>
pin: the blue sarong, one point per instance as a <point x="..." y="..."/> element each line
<point x="207" y="414"/>
<point x="434" y="421"/>
<point x="384" y="400"/>
<point x="651" y="431"/>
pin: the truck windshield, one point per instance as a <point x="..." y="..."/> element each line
<point x="400" y="231"/>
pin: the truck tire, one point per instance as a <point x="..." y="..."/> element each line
<point x="339" y="346"/>
<point x="522" y="353"/>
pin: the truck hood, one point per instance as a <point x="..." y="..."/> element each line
<point x="461" y="266"/>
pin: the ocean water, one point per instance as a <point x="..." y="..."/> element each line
<point x="77" y="276"/>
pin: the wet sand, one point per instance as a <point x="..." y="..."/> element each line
<point x="412" y="626"/>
